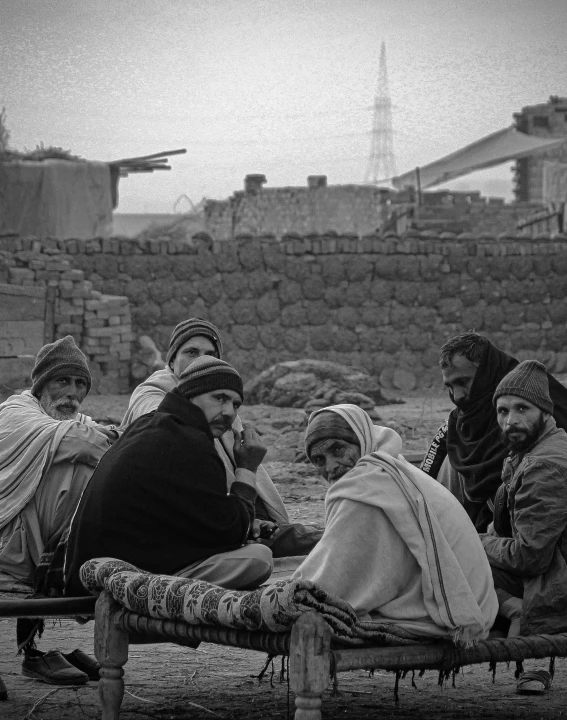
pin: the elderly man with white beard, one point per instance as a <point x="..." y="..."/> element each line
<point x="397" y="545"/>
<point x="48" y="452"/>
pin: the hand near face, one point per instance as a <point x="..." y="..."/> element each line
<point x="248" y="448"/>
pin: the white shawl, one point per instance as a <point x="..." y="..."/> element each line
<point x="456" y="582"/>
<point x="29" y="439"/>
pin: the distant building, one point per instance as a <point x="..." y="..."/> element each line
<point x="315" y="208"/>
<point x="547" y="120"/>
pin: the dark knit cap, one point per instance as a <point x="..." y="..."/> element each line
<point x="58" y="358"/>
<point x="326" y="425"/>
<point x="207" y="374"/>
<point x="188" y="329"/>
<point x="527" y="380"/>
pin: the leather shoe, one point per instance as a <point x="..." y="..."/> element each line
<point x="51" y="667"/>
<point x="85" y="663"/>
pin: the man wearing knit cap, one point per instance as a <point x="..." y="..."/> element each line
<point x="158" y="498"/>
<point x="467" y="453"/>
<point x="191" y="339"/>
<point x="48" y="452"/>
<point x="526" y="545"/>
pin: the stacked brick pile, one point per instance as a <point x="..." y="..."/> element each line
<point x="100" y="324"/>
<point x="107" y="341"/>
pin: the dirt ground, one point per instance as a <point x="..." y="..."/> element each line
<point x="170" y="682"/>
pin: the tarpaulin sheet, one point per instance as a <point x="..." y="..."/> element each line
<point x="55" y="198"/>
<point x="491" y="150"/>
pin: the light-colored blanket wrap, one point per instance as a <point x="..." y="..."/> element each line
<point x="29" y="439"/>
<point x="455" y="587"/>
<point x="149" y="394"/>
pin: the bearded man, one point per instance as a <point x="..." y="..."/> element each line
<point x="397" y="545"/>
<point x="467" y="453"/>
<point x="527" y="545"/>
<point x="48" y="452"/>
<point x="190" y="340"/>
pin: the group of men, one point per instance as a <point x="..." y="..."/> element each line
<point x="179" y="488"/>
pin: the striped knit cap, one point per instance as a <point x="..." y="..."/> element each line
<point x="188" y="329"/>
<point x="206" y="374"/>
<point x="58" y="358"/>
<point x="527" y="380"/>
<point x="327" y="425"/>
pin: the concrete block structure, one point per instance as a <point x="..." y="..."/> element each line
<point x="546" y="120"/>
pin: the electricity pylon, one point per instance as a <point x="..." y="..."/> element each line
<point x="381" y="163"/>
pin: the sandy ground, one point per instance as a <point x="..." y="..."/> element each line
<point x="167" y="681"/>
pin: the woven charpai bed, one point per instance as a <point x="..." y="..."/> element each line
<point x="320" y="634"/>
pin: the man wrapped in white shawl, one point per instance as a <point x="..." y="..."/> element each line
<point x="191" y="339"/>
<point x="397" y="545"/>
<point x="48" y="452"/>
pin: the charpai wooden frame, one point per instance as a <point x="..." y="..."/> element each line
<point x="313" y="655"/>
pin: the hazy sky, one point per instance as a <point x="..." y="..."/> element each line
<point x="280" y="87"/>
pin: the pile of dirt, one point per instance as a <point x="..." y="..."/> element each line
<point x="312" y="384"/>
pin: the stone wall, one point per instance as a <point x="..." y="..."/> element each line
<point x="356" y="209"/>
<point x="385" y="305"/>
<point x="100" y="323"/>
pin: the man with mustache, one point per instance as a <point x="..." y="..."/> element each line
<point x="158" y="499"/>
<point x="527" y="544"/>
<point x="191" y="339"/>
<point x="48" y="452"/>
<point x="467" y="453"/>
<point x="397" y="545"/>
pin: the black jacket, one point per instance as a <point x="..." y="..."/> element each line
<point x="158" y="498"/>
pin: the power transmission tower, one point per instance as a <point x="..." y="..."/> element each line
<point x="381" y="163"/>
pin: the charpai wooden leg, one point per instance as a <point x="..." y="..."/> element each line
<point x="111" y="650"/>
<point x="309" y="664"/>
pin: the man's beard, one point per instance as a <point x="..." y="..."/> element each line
<point x="59" y="409"/>
<point x="528" y="439"/>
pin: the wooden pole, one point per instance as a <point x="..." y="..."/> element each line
<point x="418" y="185"/>
<point x="309" y="664"/>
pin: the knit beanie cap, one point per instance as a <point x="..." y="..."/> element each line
<point x="327" y="425"/>
<point x="207" y="374"/>
<point x="186" y="330"/>
<point x="61" y="357"/>
<point x="527" y="380"/>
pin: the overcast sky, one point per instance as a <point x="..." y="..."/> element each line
<point x="280" y="87"/>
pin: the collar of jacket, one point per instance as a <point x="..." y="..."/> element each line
<point x="175" y="404"/>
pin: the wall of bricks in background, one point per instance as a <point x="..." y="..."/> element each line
<point x="100" y="323"/>
<point x="355" y="209"/>
<point x="376" y="303"/>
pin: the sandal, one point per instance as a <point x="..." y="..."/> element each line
<point x="534" y="682"/>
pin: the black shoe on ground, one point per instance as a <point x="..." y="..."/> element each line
<point x="51" y="667"/>
<point x="85" y="663"/>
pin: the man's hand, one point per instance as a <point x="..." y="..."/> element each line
<point x="110" y="433"/>
<point x="248" y="449"/>
<point x="262" y="530"/>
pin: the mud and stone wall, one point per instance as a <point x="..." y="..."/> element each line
<point x="385" y="305"/>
